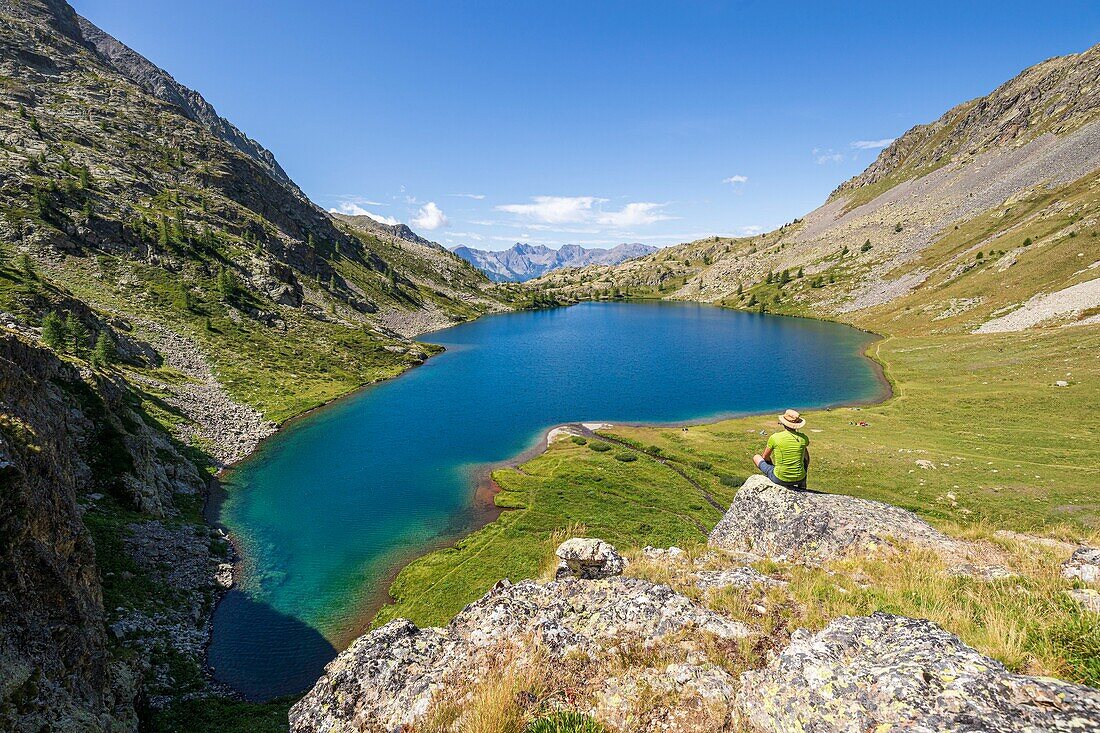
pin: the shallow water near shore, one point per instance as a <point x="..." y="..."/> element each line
<point x="327" y="508"/>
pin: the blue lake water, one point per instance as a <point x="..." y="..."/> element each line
<point x="327" y="508"/>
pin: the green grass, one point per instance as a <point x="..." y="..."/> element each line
<point x="626" y="503"/>
<point x="1010" y="450"/>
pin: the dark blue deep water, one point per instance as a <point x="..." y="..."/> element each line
<point x="327" y="508"/>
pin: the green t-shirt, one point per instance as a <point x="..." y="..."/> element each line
<point x="788" y="447"/>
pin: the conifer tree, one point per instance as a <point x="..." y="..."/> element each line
<point x="77" y="334"/>
<point x="104" y="353"/>
<point x="53" y="331"/>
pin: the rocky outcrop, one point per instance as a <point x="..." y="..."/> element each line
<point x="588" y="559"/>
<point x="1083" y="564"/>
<point x="886" y="672"/>
<point x="782" y="523"/>
<point x="391" y="676"/>
<point x="65" y="439"/>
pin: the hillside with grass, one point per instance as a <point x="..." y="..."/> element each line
<point x="168" y="296"/>
<point x="971" y="245"/>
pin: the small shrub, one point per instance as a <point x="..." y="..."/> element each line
<point x="626" y="456"/>
<point x="599" y="447"/>
<point x="727" y="480"/>
<point x="866" y="246"/>
<point x="702" y="465"/>
<point x="1027" y="242"/>
<point x="897" y="227"/>
<point x="579" y="440"/>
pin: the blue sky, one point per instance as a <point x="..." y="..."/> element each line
<point x="589" y="122"/>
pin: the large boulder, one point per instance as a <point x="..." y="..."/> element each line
<point x="390" y="676"/>
<point x="588" y="559"/>
<point x="782" y="523"/>
<point x="885" y="672"/>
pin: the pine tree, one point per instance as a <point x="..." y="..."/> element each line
<point x="77" y="334"/>
<point x="53" y="331"/>
<point x="785" y="277"/>
<point x="800" y="272"/>
<point x="26" y="266"/>
<point x="162" y="232"/>
<point x="740" y="289"/>
<point x="104" y="353"/>
<point x="227" y="284"/>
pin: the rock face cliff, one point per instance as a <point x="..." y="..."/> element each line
<point x="633" y="654"/>
<point x="70" y="441"/>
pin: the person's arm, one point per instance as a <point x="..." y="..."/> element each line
<point x="806" y="457"/>
<point x="768" y="454"/>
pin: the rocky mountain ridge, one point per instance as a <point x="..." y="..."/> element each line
<point x="522" y="261"/>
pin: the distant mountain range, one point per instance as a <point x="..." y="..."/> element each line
<point x="527" y="261"/>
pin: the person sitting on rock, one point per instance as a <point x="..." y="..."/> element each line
<point x="786" y="460"/>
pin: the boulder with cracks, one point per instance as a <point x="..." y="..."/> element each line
<point x="391" y="676"/>
<point x="782" y="523"/>
<point x="885" y="672"/>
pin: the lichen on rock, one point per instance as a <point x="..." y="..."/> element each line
<point x="782" y="523"/>
<point x="391" y="676"/>
<point x="885" y="672"/>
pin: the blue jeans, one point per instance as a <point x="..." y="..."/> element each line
<point x="768" y="470"/>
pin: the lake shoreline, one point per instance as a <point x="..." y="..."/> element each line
<point x="481" y="510"/>
<point x="485" y="488"/>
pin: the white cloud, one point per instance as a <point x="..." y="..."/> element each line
<point x="353" y="209"/>
<point x="871" y="144"/>
<point x="750" y="230"/>
<point x="632" y="215"/>
<point x="585" y="209"/>
<point x="429" y="217"/>
<point x="821" y="157"/>
<point x="555" y="209"/>
<point x="476" y="196"/>
<point x="733" y="180"/>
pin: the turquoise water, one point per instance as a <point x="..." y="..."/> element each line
<point x="334" y="502"/>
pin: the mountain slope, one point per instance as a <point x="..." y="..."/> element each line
<point x="522" y="262"/>
<point x="957" y="223"/>
<point x="167" y="295"/>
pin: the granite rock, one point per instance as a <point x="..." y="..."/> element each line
<point x="885" y="672"/>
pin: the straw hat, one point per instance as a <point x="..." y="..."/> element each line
<point x="792" y="419"/>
